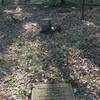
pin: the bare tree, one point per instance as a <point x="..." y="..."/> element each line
<point x="2" y="2"/>
<point x="62" y="2"/>
<point x="83" y="8"/>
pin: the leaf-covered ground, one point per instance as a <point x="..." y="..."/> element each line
<point x="28" y="57"/>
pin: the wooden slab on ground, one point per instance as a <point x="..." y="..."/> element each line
<point x="61" y="91"/>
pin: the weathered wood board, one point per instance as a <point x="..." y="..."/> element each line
<point x="59" y="91"/>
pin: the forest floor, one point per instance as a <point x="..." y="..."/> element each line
<point x="28" y="56"/>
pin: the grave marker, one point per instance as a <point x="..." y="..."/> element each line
<point x="59" y="91"/>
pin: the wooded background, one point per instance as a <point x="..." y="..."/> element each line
<point x="66" y="1"/>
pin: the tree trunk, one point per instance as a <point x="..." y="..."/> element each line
<point x="83" y="9"/>
<point x="2" y="2"/>
<point x="62" y="2"/>
<point x="91" y="1"/>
